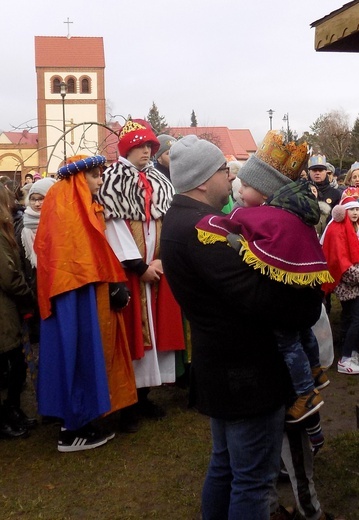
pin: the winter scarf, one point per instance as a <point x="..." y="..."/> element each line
<point x="28" y="234"/>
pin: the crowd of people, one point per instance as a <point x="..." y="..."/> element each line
<point x="160" y="266"/>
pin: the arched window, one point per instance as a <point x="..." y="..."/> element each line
<point x="85" y="86"/>
<point x="71" y="86"/>
<point x="56" y="86"/>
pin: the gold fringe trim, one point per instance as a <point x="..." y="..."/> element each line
<point x="279" y="275"/>
<point x="209" y="238"/>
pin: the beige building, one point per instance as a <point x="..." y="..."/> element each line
<point x="18" y="154"/>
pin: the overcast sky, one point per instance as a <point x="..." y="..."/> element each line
<point x="229" y="60"/>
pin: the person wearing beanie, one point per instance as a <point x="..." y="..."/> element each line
<point x="341" y="249"/>
<point x="239" y="380"/>
<point x="85" y="368"/>
<point x="29" y="179"/>
<point x="136" y="197"/>
<point x="162" y="157"/>
<point x="269" y="240"/>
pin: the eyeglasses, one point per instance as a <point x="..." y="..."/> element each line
<point x="33" y="201"/>
<point x="224" y="169"/>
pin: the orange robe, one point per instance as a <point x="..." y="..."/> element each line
<point x="72" y="251"/>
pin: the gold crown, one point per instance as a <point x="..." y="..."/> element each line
<point x="289" y="159"/>
<point x="131" y="126"/>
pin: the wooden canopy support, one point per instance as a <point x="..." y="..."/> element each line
<point x="339" y="30"/>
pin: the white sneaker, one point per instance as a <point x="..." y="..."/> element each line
<point x="355" y="357"/>
<point x="348" y="367"/>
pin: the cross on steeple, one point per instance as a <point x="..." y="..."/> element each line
<point x="68" y="27"/>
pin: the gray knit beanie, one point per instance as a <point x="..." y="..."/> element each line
<point x="42" y="186"/>
<point x="261" y="176"/>
<point x="193" y="162"/>
<point x="166" y="141"/>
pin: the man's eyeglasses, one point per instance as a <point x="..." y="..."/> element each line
<point x="224" y="169"/>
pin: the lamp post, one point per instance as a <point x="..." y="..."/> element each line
<point x="63" y="92"/>
<point x="286" y="120"/>
<point x="270" y="112"/>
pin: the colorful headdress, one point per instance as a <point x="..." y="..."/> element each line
<point x="134" y="133"/>
<point x="288" y="159"/>
<point x="80" y="163"/>
<point x="274" y="165"/>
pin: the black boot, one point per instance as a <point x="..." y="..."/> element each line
<point x="9" y="430"/>
<point x="129" y="419"/>
<point x="18" y="418"/>
<point x="146" y="407"/>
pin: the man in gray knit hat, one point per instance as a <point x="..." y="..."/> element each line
<point x="162" y="157"/>
<point x="238" y="380"/>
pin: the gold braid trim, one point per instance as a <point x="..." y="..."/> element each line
<point x="280" y="275"/>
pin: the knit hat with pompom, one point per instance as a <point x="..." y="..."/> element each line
<point x="350" y="199"/>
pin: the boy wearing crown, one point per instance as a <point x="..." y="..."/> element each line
<point x="270" y="240"/>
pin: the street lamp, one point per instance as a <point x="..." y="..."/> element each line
<point x="286" y="120"/>
<point x="63" y="92"/>
<point x="270" y="112"/>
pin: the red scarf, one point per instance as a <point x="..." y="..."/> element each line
<point x="144" y="183"/>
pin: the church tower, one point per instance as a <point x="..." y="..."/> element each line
<point x="70" y="96"/>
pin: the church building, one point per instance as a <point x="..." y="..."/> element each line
<point x="70" y="97"/>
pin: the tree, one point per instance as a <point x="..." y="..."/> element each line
<point x="193" y="119"/>
<point x="211" y="137"/>
<point x="157" y="121"/>
<point x="332" y="136"/>
<point x="355" y="140"/>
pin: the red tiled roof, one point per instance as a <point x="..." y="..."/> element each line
<point x="245" y="137"/>
<point x="238" y="143"/>
<point x="60" y="51"/>
<point x="23" y="137"/>
<point x="233" y="143"/>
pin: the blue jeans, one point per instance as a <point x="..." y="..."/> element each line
<point x="301" y="352"/>
<point x="244" y="463"/>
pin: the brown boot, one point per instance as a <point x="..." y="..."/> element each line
<point x="304" y="406"/>
<point x="320" y="378"/>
